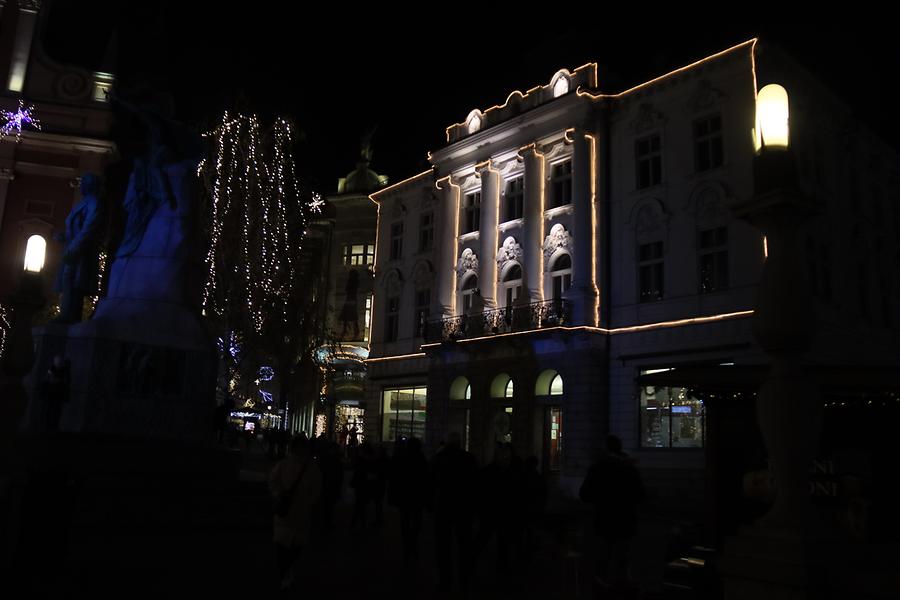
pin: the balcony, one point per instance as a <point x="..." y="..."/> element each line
<point x="522" y="317"/>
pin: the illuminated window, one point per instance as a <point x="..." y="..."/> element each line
<point x="403" y="413"/>
<point x="708" y="143"/>
<point x="554" y="441"/>
<point x="556" y="386"/>
<point x="392" y="322"/>
<point x="359" y="254"/>
<point x="650" y="271"/>
<point x="561" y="87"/>
<point x="561" y="274"/>
<point x="426" y="231"/>
<point x="648" y="159"/>
<point x="515" y="198"/>
<point x="468" y="392"/>
<point x="561" y="184"/>
<point x="508" y="392"/>
<point x="713" y="260"/>
<point x="397" y="240"/>
<point x="471" y="212"/>
<point x="671" y="418"/>
<point x="423" y="301"/>
<point x="368" y="318"/>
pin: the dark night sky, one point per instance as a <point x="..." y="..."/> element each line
<point x="338" y="75"/>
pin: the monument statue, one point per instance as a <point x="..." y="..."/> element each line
<point x="77" y="276"/>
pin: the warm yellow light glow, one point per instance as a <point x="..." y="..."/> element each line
<point x="35" y="250"/>
<point x="765" y="247"/>
<point x="614" y="331"/>
<point x="593" y="142"/>
<point x="772" y="130"/>
<point x="581" y="92"/>
<point x="591" y="80"/>
<point x="398" y="357"/>
<point x="399" y="183"/>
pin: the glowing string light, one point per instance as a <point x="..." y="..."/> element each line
<point x="14" y="120"/>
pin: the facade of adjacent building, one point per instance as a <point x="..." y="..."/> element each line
<point x="350" y="220"/>
<point x="40" y="169"/>
<point x="570" y="241"/>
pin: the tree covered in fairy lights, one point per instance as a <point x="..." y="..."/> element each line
<point x="260" y="289"/>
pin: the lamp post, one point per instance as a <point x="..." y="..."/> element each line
<point x="18" y="357"/>
<point x="771" y="558"/>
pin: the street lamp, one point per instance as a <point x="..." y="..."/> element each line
<point x="772" y="131"/>
<point x="35" y="251"/>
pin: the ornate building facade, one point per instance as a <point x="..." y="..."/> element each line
<point x="582" y="241"/>
<point x="40" y="169"/>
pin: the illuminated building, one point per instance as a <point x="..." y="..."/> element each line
<point x="40" y="169"/>
<point x="583" y="240"/>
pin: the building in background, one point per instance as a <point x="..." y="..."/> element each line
<point x="40" y="169"/>
<point x="570" y="243"/>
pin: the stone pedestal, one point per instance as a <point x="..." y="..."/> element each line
<point x="143" y="365"/>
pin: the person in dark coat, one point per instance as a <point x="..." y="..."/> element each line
<point x="56" y="391"/>
<point x="453" y="473"/>
<point x="613" y="486"/>
<point x="368" y="483"/>
<point x="409" y="489"/>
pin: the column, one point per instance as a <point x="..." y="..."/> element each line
<point x="584" y="292"/>
<point x="446" y="245"/>
<point x="533" y="221"/>
<point x="487" y="236"/>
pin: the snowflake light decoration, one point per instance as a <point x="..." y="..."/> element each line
<point x="14" y="120"/>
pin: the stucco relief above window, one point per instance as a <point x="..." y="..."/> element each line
<point x="510" y="250"/>
<point x="393" y="282"/>
<point x="468" y="261"/>
<point x="557" y="238"/>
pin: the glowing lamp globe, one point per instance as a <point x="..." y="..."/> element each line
<point x="772" y="114"/>
<point x="35" y="250"/>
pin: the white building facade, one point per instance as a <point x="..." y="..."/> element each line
<point x="579" y="240"/>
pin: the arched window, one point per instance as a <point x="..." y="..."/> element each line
<point x="460" y="389"/>
<point x="561" y="275"/>
<point x="35" y="250"/>
<point x="512" y="284"/>
<point x="468" y="292"/>
<point x="502" y="386"/>
<point x="549" y="383"/>
<point x="556" y="386"/>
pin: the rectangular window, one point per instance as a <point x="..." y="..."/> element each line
<point x="648" y="159"/>
<point x="426" y="232"/>
<point x="403" y="413"/>
<point x="471" y="212"/>
<point x="423" y="302"/>
<point x="397" y="240"/>
<point x="561" y="284"/>
<point x="650" y="271"/>
<point x="359" y="254"/>
<point x="561" y="181"/>
<point x="713" y="260"/>
<point x="515" y="198"/>
<point x="670" y="418"/>
<point x="708" y="143"/>
<point x="368" y="319"/>
<point x="392" y="322"/>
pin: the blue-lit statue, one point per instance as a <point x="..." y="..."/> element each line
<point x="77" y="276"/>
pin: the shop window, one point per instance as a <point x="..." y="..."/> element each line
<point x="403" y="413"/>
<point x="670" y="418"/>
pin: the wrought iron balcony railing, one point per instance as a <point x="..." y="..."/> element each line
<point x="521" y="317"/>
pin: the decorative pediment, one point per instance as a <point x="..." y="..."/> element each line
<point x="649" y="218"/>
<point x="708" y="201"/>
<point x="398" y="209"/>
<point x="510" y="250"/>
<point x="393" y="282"/>
<point x="468" y="261"/>
<point x="647" y="119"/>
<point x="423" y="274"/>
<point x="557" y="238"/>
<point x="555" y="151"/>
<point x="705" y="96"/>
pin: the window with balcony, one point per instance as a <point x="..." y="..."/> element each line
<point x="468" y="293"/>
<point x="423" y="302"/>
<point x="561" y="275"/>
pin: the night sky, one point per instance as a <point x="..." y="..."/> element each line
<point x="338" y="75"/>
